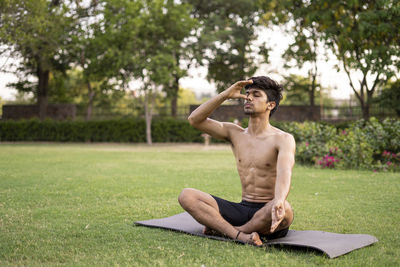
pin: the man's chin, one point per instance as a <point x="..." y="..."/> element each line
<point x="248" y="112"/>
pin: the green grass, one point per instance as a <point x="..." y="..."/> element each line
<point x="75" y="204"/>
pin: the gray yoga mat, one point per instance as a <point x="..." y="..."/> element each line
<point x="332" y="244"/>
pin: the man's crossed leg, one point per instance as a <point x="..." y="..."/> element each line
<point x="204" y="208"/>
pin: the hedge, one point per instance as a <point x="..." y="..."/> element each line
<point x="123" y="130"/>
<point x="362" y="144"/>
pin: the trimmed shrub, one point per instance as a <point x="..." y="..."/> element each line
<point x="363" y="144"/>
<point x="124" y="130"/>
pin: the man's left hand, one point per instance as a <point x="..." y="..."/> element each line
<point x="278" y="214"/>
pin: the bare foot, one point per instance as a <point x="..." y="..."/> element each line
<point x="209" y="231"/>
<point x="251" y="239"/>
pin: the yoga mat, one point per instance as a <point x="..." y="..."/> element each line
<point x="332" y="244"/>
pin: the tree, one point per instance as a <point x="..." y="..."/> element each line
<point x="180" y="27"/>
<point x="107" y="42"/>
<point x="363" y="35"/>
<point x="297" y="91"/>
<point x="1" y="106"/>
<point x="41" y="34"/>
<point x="390" y="97"/>
<point x="225" y="39"/>
<point x="148" y="51"/>
<point x="305" y="48"/>
<point x="163" y="40"/>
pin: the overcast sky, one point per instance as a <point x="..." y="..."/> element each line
<point x="197" y="82"/>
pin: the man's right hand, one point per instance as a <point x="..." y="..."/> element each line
<point x="234" y="92"/>
<point x="277" y="213"/>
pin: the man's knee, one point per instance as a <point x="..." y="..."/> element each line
<point x="187" y="198"/>
<point x="287" y="221"/>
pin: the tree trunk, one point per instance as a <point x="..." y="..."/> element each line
<point x="365" y="111"/>
<point x="175" y="88"/>
<point x="42" y="91"/>
<point x="360" y="95"/>
<point x="148" y="110"/>
<point x="312" y="92"/>
<point x="313" y="86"/>
<point x="367" y="105"/>
<point x="90" y="103"/>
<point x="174" y="95"/>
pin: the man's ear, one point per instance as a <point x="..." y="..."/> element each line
<point x="271" y="105"/>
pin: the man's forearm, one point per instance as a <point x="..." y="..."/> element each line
<point x="282" y="185"/>
<point x="204" y="110"/>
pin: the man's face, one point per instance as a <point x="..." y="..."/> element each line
<point x="256" y="102"/>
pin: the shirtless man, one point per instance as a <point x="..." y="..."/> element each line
<point x="264" y="158"/>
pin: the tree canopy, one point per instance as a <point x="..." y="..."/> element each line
<point x="363" y="35"/>
<point x="40" y="33"/>
<point x="99" y="46"/>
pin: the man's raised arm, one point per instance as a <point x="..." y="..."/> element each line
<point x="199" y="117"/>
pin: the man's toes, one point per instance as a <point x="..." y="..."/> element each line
<point x="255" y="239"/>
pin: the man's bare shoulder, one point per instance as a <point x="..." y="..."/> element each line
<point x="284" y="139"/>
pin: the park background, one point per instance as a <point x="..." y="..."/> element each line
<point x="94" y="101"/>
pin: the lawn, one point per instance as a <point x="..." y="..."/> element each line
<point x="75" y="204"/>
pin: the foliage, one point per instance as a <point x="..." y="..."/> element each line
<point x="361" y="144"/>
<point x="41" y="33"/>
<point x="123" y="130"/>
<point x="390" y="162"/>
<point x="304" y="52"/>
<point x="390" y="97"/>
<point x="167" y="24"/>
<point x="106" y="41"/>
<point x="328" y="161"/>
<point x="186" y="97"/>
<point x="311" y="138"/>
<point x="226" y="39"/>
<point x="297" y="91"/>
<point x="363" y="35"/>
<point x="352" y="149"/>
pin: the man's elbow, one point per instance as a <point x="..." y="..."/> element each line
<point x="194" y="120"/>
<point x="191" y="120"/>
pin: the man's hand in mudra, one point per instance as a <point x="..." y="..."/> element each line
<point x="277" y="213"/>
<point x="234" y="91"/>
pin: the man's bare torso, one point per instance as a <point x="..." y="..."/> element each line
<point x="256" y="160"/>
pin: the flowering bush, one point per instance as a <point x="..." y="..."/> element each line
<point x="354" y="149"/>
<point x="328" y="160"/>
<point x="360" y="144"/>
<point x="311" y="138"/>
<point x="390" y="162"/>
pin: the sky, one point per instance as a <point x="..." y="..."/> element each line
<point x="196" y="80"/>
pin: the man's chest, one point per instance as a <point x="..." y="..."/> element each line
<point x="255" y="152"/>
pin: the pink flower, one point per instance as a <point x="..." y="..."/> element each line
<point x="307" y="143"/>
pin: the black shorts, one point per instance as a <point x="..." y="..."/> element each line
<point x="238" y="214"/>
